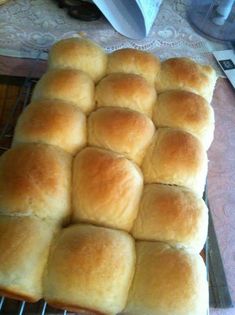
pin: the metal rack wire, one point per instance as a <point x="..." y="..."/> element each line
<point x="22" y="101"/>
<point x="23" y="308"/>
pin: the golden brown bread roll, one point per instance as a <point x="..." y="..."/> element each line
<point x="167" y="281"/>
<point x="173" y="215"/>
<point x="129" y="60"/>
<point x="186" y="74"/>
<point x="122" y="130"/>
<point x="126" y="90"/>
<point x="36" y="179"/>
<point x="176" y="157"/>
<point x="52" y="122"/>
<point x="187" y="111"/>
<point x="106" y="189"/>
<point x="24" y="248"/>
<point x="72" y="86"/>
<point x="90" y="269"/>
<point x="80" y="54"/>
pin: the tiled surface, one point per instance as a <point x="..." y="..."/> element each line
<point x="221" y="181"/>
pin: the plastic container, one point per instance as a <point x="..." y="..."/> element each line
<point x="213" y="18"/>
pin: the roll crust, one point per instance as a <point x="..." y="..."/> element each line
<point x="24" y="247"/>
<point x="121" y="130"/>
<point x="49" y="180"/>
<point x="67" y="85"/>
<point x="35" y="179"/>
<point x="187" y="111"/>
<point x="106" y="189"/>
<point x="80" y="54"/>
<point x="91" y="269"/>
<point x="52" y="122"/>
<point x="174" y="215"/>
<point x="126" y="90"/>
<point x="185" y="74"/>
<point x="129" y="60"/>
<point x="167" y="281"/>
<point x="176" y="157"/>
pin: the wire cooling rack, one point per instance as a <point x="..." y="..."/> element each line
<point x="9" y="306"/>
<point x="218" y="297"/>
<point x="13" y="307"/>
<point x="22" y="101"/>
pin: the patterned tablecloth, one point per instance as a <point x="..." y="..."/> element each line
<point x="28" y="27"/>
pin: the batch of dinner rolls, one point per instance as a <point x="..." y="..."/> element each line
<point x="101" y="207"/>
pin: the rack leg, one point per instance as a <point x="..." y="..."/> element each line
<point x="44" y="308"/>
<point x="1" y="302"/>
<point x="21" y="311"/>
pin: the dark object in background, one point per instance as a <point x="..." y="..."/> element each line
<point x="81" y="10"/>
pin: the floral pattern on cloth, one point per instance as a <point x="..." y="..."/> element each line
<point x="30" y="26"/>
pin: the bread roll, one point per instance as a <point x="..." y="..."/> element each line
<point x="187" y="111"/>
<point x="90" y="269"/>
<point x="80" y="54"/>
<point x="90" y="266"/>
<point x="176" y="157"/>
<point x="72" y="86"/>
<point x="122" y="130"/>
<point x="52" y="122"/>
<point x="173" y="215"/>
<point x="186" y="74"/>
<point x="167" y="281"/>
<point x="126" y="90"/>
<point x="106" y="189"/>
<point x="35" y="179"/>
<point x="24" y="247"/>
<point x="129" y="60"/>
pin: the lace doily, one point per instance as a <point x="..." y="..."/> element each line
<point x="29" y="26"/>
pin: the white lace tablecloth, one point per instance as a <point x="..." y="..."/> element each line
<point x="28" y="26"/>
